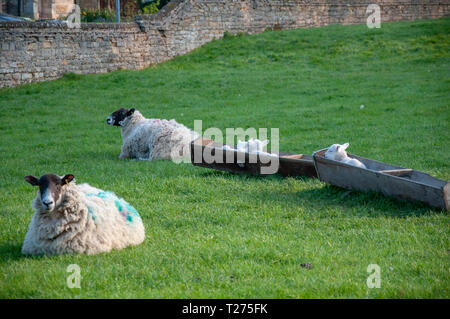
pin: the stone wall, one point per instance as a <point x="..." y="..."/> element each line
<point x="43" y="51"/>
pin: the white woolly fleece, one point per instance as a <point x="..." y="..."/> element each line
<point x="154" y="139"/>
<point x="86" y="220"/>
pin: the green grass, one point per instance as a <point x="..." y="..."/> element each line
<point x="213" y="234"/>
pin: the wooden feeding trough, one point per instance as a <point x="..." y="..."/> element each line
<point x="402" y="183"/>
<point x="207" y="153"/>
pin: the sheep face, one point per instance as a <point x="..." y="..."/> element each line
<point x="50" y="186"/>
<point x="117" y="117"/>
<point x="337" y="152"/>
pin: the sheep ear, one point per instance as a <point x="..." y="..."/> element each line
<point x="67" y="179"/>
<point x="345" y="146"/>
<point x="32" y="180"/>
<point x="265" y="142"/>
<point x="131" y="111"/>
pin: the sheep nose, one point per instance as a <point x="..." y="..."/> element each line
<point x="48" y="203"/>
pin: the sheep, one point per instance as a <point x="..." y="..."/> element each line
<point x="337" y="152"/>
<point x="253" y="146"/>
<point x="151" y="139"/>
<point x="70" y="218"/>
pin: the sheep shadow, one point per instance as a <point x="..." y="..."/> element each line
<point x="11" y="252"/>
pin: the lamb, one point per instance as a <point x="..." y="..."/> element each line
<point x="72" y="218"/>
<point x="253" y="146"/>
<point x="151" y="139"/>
<point x="337" y="152"/>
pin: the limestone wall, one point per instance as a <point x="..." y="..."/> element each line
<point x="43" y="51"/>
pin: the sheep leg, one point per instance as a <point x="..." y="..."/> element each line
<point x="124" y="153"/>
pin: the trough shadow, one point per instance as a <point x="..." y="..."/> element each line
<point x="372" y="204"/>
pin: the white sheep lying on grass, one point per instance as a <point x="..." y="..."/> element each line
<point x="151" y="139"/>
<point x="72" y="218"/>
<point x="337" y="152"/>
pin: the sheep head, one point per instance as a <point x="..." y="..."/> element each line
<point x="50" y="187"/>
<point x="337" y="152"/>
<point x="117" y="117"/>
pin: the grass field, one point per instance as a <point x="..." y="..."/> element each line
<point x="213" y="234"/>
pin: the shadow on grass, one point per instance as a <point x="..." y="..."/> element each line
<point x="370" y="204"/>
<point x="11" y="252"/>
<point x="95" y="155"/>
<point x="360" y="204"/>
<point x="241" y="175"/>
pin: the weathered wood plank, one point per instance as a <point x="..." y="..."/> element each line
<point x="209" y="154"/>
<point x="407" y="172"/>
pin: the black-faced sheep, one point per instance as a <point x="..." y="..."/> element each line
<point x="72" y="218"/>
<point x="151" y="139"/>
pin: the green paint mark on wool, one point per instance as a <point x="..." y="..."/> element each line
<point x="124" y="208"/>
<point x="91" y="213"/>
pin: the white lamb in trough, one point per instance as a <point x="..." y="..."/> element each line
<point x="151" y="139"/>
<point x="72" y="218"/>
<point x="337" y="152"/>
<point x="253" y="146"/>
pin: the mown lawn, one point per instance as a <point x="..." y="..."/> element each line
<point x="213" y="234"/>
